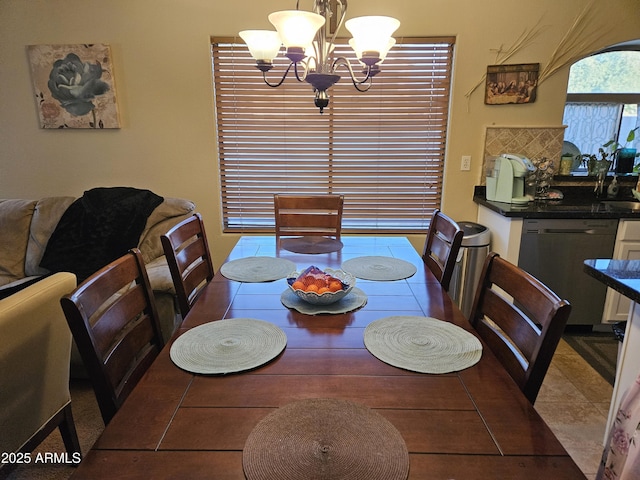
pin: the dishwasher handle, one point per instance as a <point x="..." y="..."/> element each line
<point x="589" y="231"/>
<point x="570" y="226"/>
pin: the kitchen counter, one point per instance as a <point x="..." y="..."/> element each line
<point x="623" y="276"/>
<point x="578" y="202"/>
<point x="552" y="238"/>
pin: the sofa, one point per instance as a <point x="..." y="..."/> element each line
<point x="26" y="227"/>
<point x="34" y="367"/>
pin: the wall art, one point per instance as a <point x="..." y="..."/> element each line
<point x="74" y="85"/>
<point x="511" y="84"/>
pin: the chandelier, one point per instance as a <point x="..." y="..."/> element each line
<point x="304" y="35"/>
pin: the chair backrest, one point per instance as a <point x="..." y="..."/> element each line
<point x="521" y="321"/>
<point x="308" y="215"/>
<point x="189" y="259"/>
<point x="113" y="319"/>
<point x="442" y="246"/>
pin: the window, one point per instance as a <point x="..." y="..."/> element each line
<point x="383" y="149"/>
<point x="602" y="100"/>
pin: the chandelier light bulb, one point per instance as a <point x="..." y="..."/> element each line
<point x="297" y="28"/>
<point x="383" y="54"/>
<point x="372" y="34"/>
<point x="263" y="44"/>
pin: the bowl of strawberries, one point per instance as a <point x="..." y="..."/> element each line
<point x="321" y="287"/>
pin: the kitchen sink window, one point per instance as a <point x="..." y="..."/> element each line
<point x="383" y="149"/>
<point x="602" y="100"/>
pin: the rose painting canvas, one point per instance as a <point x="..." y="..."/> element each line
<point x="74" y="86"/>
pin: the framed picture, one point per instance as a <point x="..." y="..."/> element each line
<point x="74" y="86"/>
<point x="511" y="84"/>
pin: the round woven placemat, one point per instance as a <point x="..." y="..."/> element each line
<point x="257" y="269"/>
<point x="228" y="346"/>
<point x="422" y="344"/>
<point x="325" y="439"/>
<point x="355" y="299"/>
<point x="379" y="268"/>
<point x="311" y="245"/>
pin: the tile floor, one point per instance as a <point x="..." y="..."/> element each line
<point x="574" y="401"/>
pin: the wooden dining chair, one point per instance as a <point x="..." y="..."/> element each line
<point x="521" y="321"/>
<point x="308" y="215"/>
<point x="442" y="246"/>
<point x="113" y="319"/>
<point x="189" y="259"/>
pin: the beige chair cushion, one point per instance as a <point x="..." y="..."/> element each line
<point x="34" y="358"/>
<point x="46" y="216"/>
<point x="165" y="216"/>
<point x="157" y="272"/>
<point x="15" y="219"/>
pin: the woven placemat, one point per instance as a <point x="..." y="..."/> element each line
<point x="228" y="346"/>
<point x="379" y="268"/>
<point x="355" y="299"/>
<point x="422" y="344"/>
<point x="325" y="439"/>
<point x="311" y="245"/>
<point x="257" y="269"/>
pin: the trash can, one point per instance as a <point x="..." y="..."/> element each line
<point x="466" y="273"/>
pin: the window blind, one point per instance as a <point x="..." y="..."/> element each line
<point x="383" y="149"/>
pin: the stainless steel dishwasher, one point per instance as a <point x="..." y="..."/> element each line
<point x="553" y="250"/>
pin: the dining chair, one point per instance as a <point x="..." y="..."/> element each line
<point x="308" y="215"/>
<point x="520" y="319"/>
<point x="442" y="246"/>
<point x="189" y="259"/>
<point x="113" y="319"/>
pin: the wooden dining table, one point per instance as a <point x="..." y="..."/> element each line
<point x="468" y="424"/>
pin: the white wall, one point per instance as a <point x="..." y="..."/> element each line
<point x="162" y="66"/>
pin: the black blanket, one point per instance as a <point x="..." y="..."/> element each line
<point x="98" y="228"/>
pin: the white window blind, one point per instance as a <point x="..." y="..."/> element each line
<point x="383" y="149"/>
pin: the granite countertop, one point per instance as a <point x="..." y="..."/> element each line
<point x="578" y="202"/>
<point x="621" y="275"/>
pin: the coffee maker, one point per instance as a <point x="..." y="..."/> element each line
<point x="506" y="177"/>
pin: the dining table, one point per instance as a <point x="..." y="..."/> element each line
<point x="468" y="421"/>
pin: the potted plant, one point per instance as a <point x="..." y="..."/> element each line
<point x="625" y="157"/>
<point x="595" y="165"/>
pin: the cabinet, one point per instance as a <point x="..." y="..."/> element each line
<point x="616" y="306"/>
<point x="506" y="233"/>
<point x="506" y="237"/>
<point x="554" y="251"/>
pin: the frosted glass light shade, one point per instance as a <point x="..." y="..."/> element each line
<point x="383" y="54"/>
<point x="297" y="28"/>
<point x="372" y="33"/>
<point x="263" y="44"/>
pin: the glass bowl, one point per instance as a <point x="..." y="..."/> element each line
<point x="326" y="298"/>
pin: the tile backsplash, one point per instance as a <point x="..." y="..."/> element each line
<point x="540" y="144"/>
